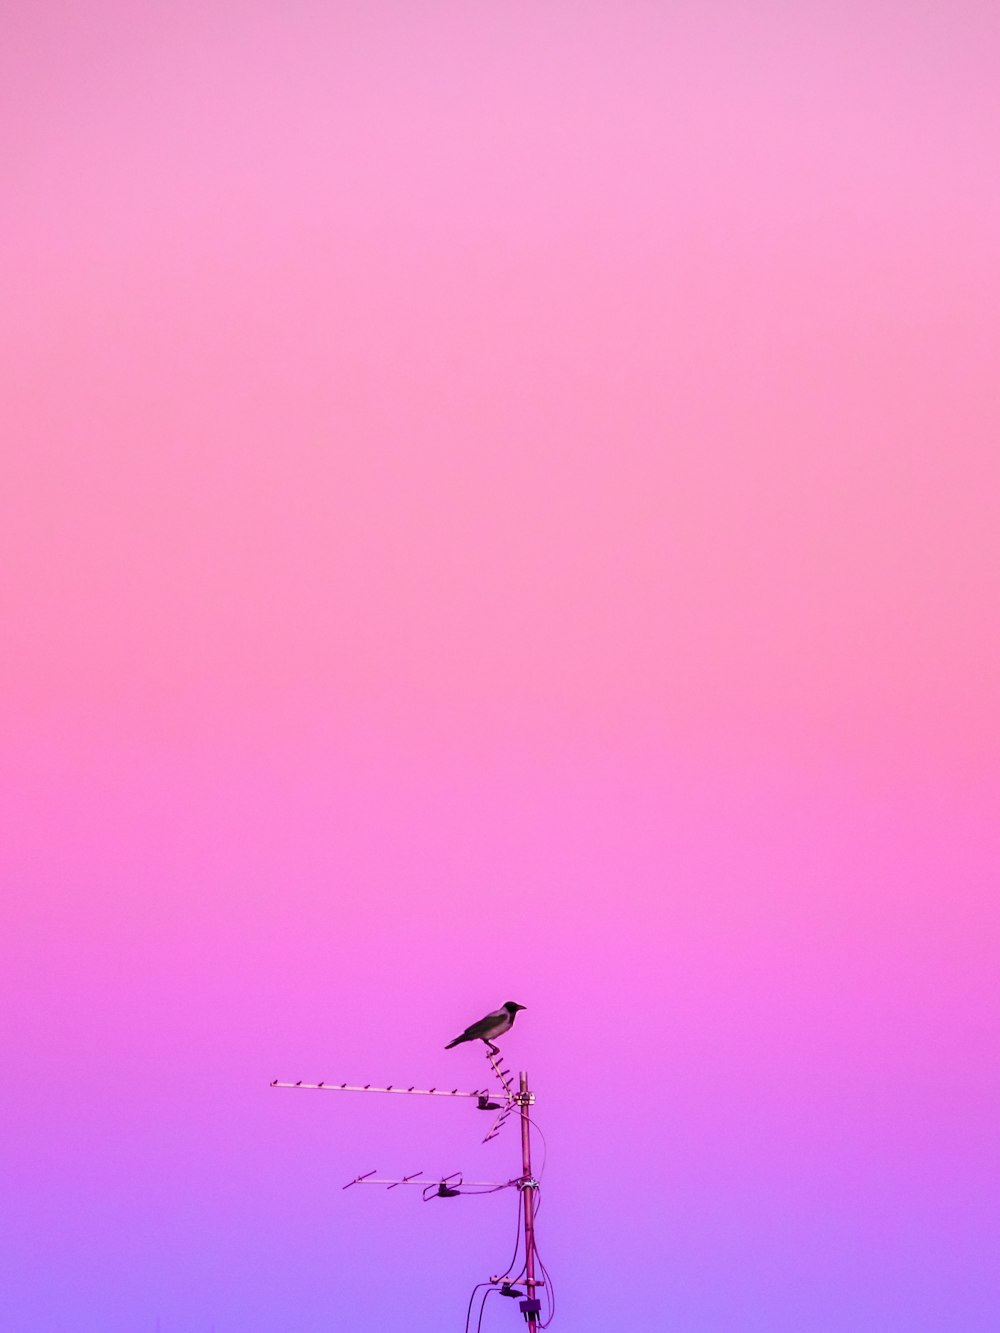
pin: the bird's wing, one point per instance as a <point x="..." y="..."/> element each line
<point x="484" y="1025"/>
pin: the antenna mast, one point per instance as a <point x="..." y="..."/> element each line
<point x="531" y="1307"/>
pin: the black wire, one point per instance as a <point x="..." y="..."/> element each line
<point x="503" y="1276"/>
<point x="482" y="1309"/>
<point x="468" y="1313"/>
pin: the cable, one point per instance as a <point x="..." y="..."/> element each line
<point x="501" y="1276"/>
<point x="468" y="1313"/>
<point x="548" y="1288"/>
<point x="517" y="1238"/>
<point x="482" y="1309"/>
<point x="545" y="1146"/>
<point x="550" y="1296"/>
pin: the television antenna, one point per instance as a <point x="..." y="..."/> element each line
<point x="506" y="1100"/>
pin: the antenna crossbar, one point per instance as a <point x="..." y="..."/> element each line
<point x="419" y="1178"/>
<point x="369" y="1087"/>
<point x="498" y="1124"/>
<point x="503" y="1075"/>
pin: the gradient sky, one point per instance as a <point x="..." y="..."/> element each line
<point x="500" y="501"/>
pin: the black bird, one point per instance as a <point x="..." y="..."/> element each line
<point x="493" y="1025"/>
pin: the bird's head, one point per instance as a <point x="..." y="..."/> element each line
<point x="512" y="1008"/>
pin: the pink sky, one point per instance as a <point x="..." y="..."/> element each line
<point x="500" y="502"/>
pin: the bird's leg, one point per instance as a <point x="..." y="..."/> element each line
<point x="493" y="1050"/>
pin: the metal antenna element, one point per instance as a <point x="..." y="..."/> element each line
<point x="368" y="1087"/>
<point x="447" y="1187"/>
<point x="498" y="1124"/>
<point x="503" y="1075"/>
<point x="509" y="1098"/>
<point x="481" y="1094"/>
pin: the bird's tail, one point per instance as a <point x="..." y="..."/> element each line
<point x="454" y="1043"/>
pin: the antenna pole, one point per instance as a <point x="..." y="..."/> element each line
<point x="531" y="1307"/>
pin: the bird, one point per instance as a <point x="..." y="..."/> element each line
<point x="493" y="1025"/>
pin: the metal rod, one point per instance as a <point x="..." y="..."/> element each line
<point x="427" y="1180"/>
<point x="498" y="1124"/>
<point x="528" y="1199"/>
<point x="367" y="1087"/>
<point x="503" y="1075"/>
